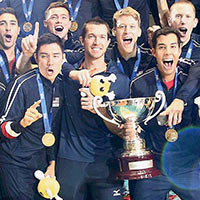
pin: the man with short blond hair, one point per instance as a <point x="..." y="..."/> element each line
<point x="131" y="58"/>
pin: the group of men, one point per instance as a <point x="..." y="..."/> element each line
<point x="47" y="124"/>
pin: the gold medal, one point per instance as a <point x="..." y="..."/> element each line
<point x="48" y="139"/>
<point x="74" y="26"/>
<point x="27" y="27"/>
<point x="171" y="135"/>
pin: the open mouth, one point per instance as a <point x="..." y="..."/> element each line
<point x="8" y="37"/>
<point x="127" y="40"/>
<point x="50" y="71"/>
<point x="59" y="28"/>
<point x="183" y="31"/>
<point x="168" y="63"/>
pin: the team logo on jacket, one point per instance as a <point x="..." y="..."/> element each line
<point x="56" y="102"/>
<point x="116" y="193"/>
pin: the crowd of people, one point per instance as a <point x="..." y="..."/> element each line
<point x="49" y="52"/>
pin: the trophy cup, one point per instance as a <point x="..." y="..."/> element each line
<point x="135" y="162"/>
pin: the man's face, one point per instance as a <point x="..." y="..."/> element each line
<point x="96" y="40"/>
<point x="182" y="18"/>
<point x="9" y="30"/>
<point x="49" y="60"/>
<point x="58" y="22"/>
<point x="167" y="52"/>
<point x="127" y="33"/>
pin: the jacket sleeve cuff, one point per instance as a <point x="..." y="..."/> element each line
<point x="11" y="129"/>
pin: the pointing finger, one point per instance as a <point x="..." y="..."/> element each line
<point x="36" y="104"/>
<point x="36" y="31"/>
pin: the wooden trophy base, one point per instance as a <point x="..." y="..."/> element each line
<point x="137" y="167"/>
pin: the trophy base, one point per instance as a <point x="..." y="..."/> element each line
<point x="137" y="167"/>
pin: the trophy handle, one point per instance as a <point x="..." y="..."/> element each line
<point x="97" y="102"/>
<point x="158" y="96"/>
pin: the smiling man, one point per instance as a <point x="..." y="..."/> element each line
<point x="179" y="160"/>
<point x="131" y="59"/>
<point x="25" y="129"/>
<point x="87" y="148"/>
<point x="57" y="20"/>
<point x="183" y="18"/>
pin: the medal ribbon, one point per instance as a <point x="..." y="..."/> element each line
<point x="136" y="66"/>
<point x="17" y="53"/>
<point x="189" y="52"/>
<point x="159" y="85"/>
<point x="3" y="65"/>
<point x="75" y="12"/>
<point x="118" y="5"/>
<point x="27" y="13"/>
<point x="4" y="69"/>
<point x="47" y="119"/>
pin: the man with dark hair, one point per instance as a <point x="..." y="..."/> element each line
<point x="86" y="149"/>
<point x="28" y="13"/>
<point x="30" y="120"/>
<point x="9" y="30"/>
<point x="175" y="150"/>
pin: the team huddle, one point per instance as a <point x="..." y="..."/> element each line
<point x="47" y="116"/>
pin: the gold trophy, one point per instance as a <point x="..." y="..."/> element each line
<point x="135" y="162"/>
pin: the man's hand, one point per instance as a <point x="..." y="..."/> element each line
<point x="29" y="43"/>
<point x="174" y="112"/>
<point x="31" y="115"/>
<point x="150" y="32"/>
<point x="50" y="170"/>
<point x="87" y="100"/>
<point x="128" y="132"/>
<point x="83" y="76"/>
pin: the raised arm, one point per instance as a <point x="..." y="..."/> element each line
<point x="29" y="45"/>
<point x="163" y="11"/>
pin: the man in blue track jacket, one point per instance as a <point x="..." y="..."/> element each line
<point x="87" y="149"/>
<point x="30" y="114"/>
<point x="177" y="160"/>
